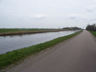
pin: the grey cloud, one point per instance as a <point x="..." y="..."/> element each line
<point x="46" y="13"/>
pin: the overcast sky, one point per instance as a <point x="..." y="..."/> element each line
<point x="47" y="13"/>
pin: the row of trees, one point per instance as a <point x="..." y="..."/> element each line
<point x="72" y="28"/>
<point x="91" y="27"/>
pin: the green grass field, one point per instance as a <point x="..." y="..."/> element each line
<point x="93" y="32"/>
<point x="16" y="55"/>
<point x="21" y="29"/>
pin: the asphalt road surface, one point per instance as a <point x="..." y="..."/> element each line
<point x="77" y="54"/>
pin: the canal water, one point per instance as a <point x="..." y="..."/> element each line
<point x="9" y="43"/>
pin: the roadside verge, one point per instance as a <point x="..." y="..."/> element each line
<point x="93" y="33"/>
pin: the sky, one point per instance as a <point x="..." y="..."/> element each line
<point x="47" y="13"/>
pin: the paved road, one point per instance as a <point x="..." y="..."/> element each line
<point x="75" y="55"/>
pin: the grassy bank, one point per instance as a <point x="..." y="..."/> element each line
<point x="2" y="30"/>
<point x="6" y="32"/>
<point x="16" y="55"/>
<point x="93" y="32"/>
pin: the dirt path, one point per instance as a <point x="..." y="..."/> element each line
<point x="75" y="55"/>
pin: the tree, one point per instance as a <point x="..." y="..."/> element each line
<point x="91" y="27"/>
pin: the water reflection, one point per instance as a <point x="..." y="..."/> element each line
<point x="9" y="43"/>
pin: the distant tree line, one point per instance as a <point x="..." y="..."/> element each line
<point x="91" y="27"/>
<point x="72" y="28"/>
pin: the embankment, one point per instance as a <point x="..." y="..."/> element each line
<point x="10" y="32"/>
